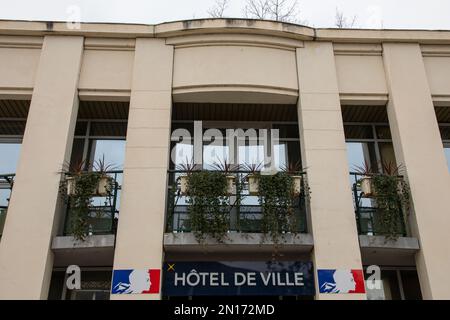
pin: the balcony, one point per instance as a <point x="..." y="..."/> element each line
<point x="369" y="215"/>
<point x="103" y="210"/>
<point x="242" y="209"/>
<point x="6" y="184"/>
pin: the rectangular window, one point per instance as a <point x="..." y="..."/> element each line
<point x="395" y="284"/>
<point x="10" y="153"/>
<point x="447" y="155"/>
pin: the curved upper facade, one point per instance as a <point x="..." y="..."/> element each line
<point x="215" y="57"/>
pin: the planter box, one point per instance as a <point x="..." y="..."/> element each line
<point x="102" y="190"/>
<point x="231" y="182"/>
<point x="183" y="184"/>
<point x="366" y="186"/>
<point x="253" y="184"/>
<point x="71" y="186"/>
<point x="103" y="187"/>
<point x="297" y="184"/>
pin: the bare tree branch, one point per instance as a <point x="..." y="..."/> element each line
<point x="284" y="10"/>
<point x="278" y="10"/>
<point x="341" y="21"/>
<point x="218" y="10"/>
<point x="257" y="9"/>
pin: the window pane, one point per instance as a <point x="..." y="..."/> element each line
<point x="251" y="154"/>
<point x="387" y="153"/>
<point x="181" y="153"/>
<point x="359" y="153"/>
<point x="389" y="287"/>
<point x="411" y="286"/>
<point x="445" y="132"/>
<point x="80" y="128"/>
<point x="287" y="130"/>
<point x="77" y="151"/>
<point x="10" y="153"/>
<point x="280" y="155"/>
<point x="294" y="152"/>
<point x="213" y="154"/>
<point x="447" y="155"/>
<point x="112" y="150"/>
<point x="383" y="132"/>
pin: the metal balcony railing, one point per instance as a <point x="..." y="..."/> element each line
<point x="244" y="211"/>
<point x="6" y="185"/>
<point x="368" y="215"/>
<point x="104" y="211"/>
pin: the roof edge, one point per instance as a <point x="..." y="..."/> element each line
<point x="222" y="25"/>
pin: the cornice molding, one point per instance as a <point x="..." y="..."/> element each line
<point x="351" y="49"/>
<point x="435" y="50"/>
<point x="224" y="26"/>
<point x="24" y="42"/>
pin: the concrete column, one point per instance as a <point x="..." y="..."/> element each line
<point x="141" y="223"/>
<point x="418" y="146"/>
<point x="324" y="154"/>
<point x="26" y="260"/>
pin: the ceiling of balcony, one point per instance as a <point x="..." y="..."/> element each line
<point x="103" y="110"/>
<point x="14" y="108"/>
<point x="364" y="114"/>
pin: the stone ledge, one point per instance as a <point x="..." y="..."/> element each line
<point x="380" y="242"/>
<point x="237" y="242"/>
<point x="69" y="242"/>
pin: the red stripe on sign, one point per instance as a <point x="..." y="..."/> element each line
<point x="155" y="278"/>
<point x="358" y="275"/>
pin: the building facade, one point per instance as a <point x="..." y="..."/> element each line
<point x="336" y="98"/>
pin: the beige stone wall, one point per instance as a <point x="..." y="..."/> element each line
<point x="19" y="59"/>
<point x="107" y="70"/>
<point x="141" y="226"/>
<point x="418" y="146"/>
<point x="26" y="260"/>
<point x="437" y="69"/>
<point x="324" y="154"/>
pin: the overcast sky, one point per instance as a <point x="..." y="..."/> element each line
<point x="399" y="14"/>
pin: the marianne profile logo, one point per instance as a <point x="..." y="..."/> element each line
<point x="136" y="281"/>
<point x="341" y="281"/>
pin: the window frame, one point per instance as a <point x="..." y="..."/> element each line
<point x="375" y="140"/>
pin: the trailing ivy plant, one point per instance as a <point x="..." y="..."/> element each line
<point x="208" y="205"/>
<point x="393" y="200"/>
<point x="85" y="184"/>
<point x="80" y="203"/>
<point x="277" y="201"/>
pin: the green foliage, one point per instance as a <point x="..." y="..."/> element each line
<point x="208" y="205"/>
<point x="277" y="202"/>
<point x="392" y="196"/>
<point x="80" y="202"/>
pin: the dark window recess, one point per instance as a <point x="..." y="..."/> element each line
<point x="383" y="132"/>
<point x="77" y="151"/>
<point x="358" y="132"/>
<point x="391" y="277"/>
<point x="288" y="131"/>
<point x="16" y="128"/>
<point x="108" y="129"/>
<point x="184" y="125"/>
<point x="56" y="285"/>
<point x="411" y="285"/>
<point x="294" y="152"/>
<point x="80" y="128"/>
<point x="445" y="132"/>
